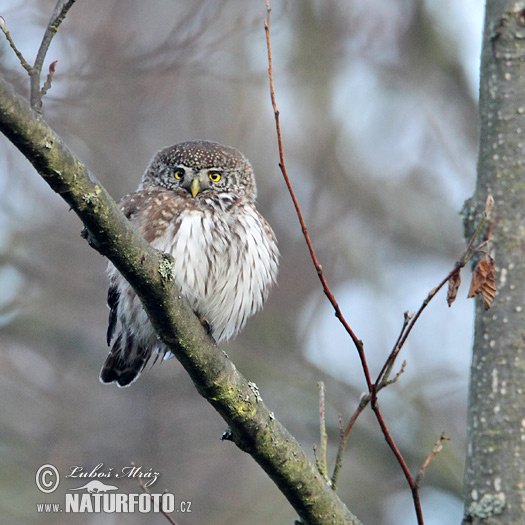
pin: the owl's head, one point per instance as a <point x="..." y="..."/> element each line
<point x="201" y="167"/>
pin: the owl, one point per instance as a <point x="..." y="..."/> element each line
<point x="196" y="202"/>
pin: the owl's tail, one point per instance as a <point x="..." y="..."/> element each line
<point x="122" y="374"/>
<point x="121" y="367"/>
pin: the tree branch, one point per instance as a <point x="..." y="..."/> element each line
<point x="58" y="16"/>
<point x="254" y="428"/>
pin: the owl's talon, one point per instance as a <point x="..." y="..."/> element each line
<point x="86" y="234"/>
<point x="227" y="435"/>
<point x="205" y="324"/>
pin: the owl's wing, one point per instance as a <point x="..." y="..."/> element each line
<point x="151" y="212"/>
<point x="126" y="204"/>
<point x="113" y="298"/>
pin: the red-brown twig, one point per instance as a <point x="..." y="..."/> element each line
<point x="357" y="342"/>
<point x="372" y="388"/>
<point x="345" y="432"/>
<point x="414" y="489"/>
<point x="382" y="379"/>
<point x="410" y="321"/>
<point x="47" y="84"/>
<point x="408" y="325"/>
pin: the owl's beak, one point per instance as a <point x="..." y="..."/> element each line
<point x="195" y="186"/>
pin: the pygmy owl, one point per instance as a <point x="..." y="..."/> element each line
<point x="196" y="202"/>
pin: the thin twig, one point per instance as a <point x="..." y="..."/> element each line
<point x="147" y="491"/>
<point x="345" y="432"/>
<point x="410" y="480"/>
<point x="321" y="461"/>
<point x="382" y="379"/>
<point x="34" y="71"/>
<point x="389" y="363"/>
<point x="436" y="450"/>
<point x="407" y="328"/>
<point x="58" y="16"/>
<point x="49" y="79"/>
<point x="408" y="324"/>
<point x="18" y="53"/>
<point x="405" y="332"/>
<point x="357" y="342"/>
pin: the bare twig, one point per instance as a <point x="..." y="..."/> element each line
<point x="402" y="463"/>
<point x="382" y="379"/>
<point x="34" y="71"/>
<point x="49" y="79"/>
<point x="408" y="325"/>
<point x="387" y="382"/>
<point x="357" y="342"/>
<point x="58" y="16"/>
<point x="436" y="450"/>
<point x="372" y="388"/>
<point x="147" y="491"/>
<point x="389" y="363"/>
<point x="321" y="462"/>
<point x="410" y="321"/>
<point x="345" y="432"/>
<point x="18" y="53"/>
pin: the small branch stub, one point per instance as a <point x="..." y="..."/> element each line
<point x="47" y="84"/>
<point x="320" y="461"/>
<point x="438" y="447"/>
<point x="453" y="286"/>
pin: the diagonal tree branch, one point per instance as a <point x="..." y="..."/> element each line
<point x="253" y="427"/>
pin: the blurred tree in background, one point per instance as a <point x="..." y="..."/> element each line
<point x="379" y="113"/>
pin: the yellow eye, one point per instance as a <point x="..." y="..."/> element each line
<point x="178" y="173"/>
<point x="214" y="176"/>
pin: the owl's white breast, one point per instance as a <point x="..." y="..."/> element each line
<point x="224" y="263"/>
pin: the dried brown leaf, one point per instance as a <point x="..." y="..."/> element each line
<point x="484" y="281"/>
<point x="453" y="286"/>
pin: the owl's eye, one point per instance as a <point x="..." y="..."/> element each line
<point x="214" y="176"/>
<point x="178" y="173"/>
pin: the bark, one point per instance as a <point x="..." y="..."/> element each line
<point x="253" y="427"/>
<point x="495" y="471"/>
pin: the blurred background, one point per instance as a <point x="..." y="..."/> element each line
<point x="378" y="106"/>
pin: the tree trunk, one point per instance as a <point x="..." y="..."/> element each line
<point x="495" y="470"/>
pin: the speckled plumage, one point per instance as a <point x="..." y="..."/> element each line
<point x="196" y="202"/>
